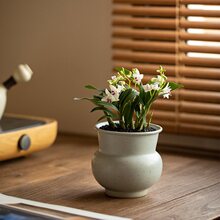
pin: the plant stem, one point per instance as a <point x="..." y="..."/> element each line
<point x="142" y="123"/>
<point x="122" y="123"/>
<point x="110" y="121"/>
<point x="150" y="119"/>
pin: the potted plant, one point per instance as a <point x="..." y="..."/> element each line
<point x="126" y="163"/>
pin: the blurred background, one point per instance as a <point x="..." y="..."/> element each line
<point x="72" y="43"/>
<point x="67" y="45"/>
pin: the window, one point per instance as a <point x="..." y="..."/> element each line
<point x="184" y="37"/>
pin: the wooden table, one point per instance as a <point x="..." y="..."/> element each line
<point x="188" y="189"/>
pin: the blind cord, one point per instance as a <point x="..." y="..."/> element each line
<point x="177" y="54"/>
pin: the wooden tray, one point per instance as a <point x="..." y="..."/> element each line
<point x="35" y="134"/>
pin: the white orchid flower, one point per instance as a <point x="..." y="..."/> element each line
<point x="155" y="86"/>
<point x="120" y="88"/>
<point x="159" y="80"/>
<point x="166" y="92"/>
<point x="109" y="97"/>
<point x="167" y="95"/>
<point x="116" y="90"/>
<point x="113" y="94"/>
<point x="135" y="71"/>
<point x="137" y="76"/>
<point x="122" y="83"/>
<point x="149" y="87"/>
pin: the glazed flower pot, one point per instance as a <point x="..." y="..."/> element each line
<point x="126" y="163"/>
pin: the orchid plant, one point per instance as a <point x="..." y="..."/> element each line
<point x="128" y="100"/>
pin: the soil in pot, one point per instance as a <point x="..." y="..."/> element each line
<point x="120" y="129"/>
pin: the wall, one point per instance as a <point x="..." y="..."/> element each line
<point x="67" y="44"/>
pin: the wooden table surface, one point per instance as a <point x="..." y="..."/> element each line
<point x="188" y="189"/>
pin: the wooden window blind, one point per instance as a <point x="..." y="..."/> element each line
<point x="184" y="37"/>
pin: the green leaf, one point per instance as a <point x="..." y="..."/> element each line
<point x="134" y="109"/>
<point x="174" y="85"/>
<point x="127" y="103"/>
<point x="106" y="104"/>
<point x="104" y="116"/>
<point x="123" y="70"/>
<point x="128" y="114"/>
<point x="137" y="110"/>
<point x="142" y="94"/>
<point x="99" y="103"/>
<point x="148" y="97"/>
<point x="107" y="111"/>
<point x="111" y="114"/>
<point x="97" y="108"/>
<point x="127" y="72"/>
<point x="96" y="97"/>
<point x="90" y="87"/>
<point x="130" y="97"/>
<point x="119" y="69"/>
<point x="161" y="70"/>
<point x="78" y="99"/>
<point x="124" y="96"/>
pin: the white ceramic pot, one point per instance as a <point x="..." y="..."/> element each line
<point x="127" y="163"/>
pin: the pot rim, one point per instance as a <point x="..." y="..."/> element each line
<point x="100" y="124"/>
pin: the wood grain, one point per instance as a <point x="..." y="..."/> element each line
<point x="188" y="189"/>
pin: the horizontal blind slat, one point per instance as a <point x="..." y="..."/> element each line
<point x="145" y="68"/>
<point x="202" y="130"/>
<point x="168" y="126"/>
<point x="197" y="61"/>
<point x="151" y="2"/>
<point x="161" y="46"/>
<point x="202" y="49"/>
<point x="164" y="115"/>
<point x="145" y="22"/>
<point x="191" y="83"/>
<point x="187" y="117"/>
<point x="187" y="106"/>
<point x="144" y="45"/>
<point x="196" y="72"/>
<point x="202" y="108"/>
<point x="191" y="129"/>
<point x="162" y="35"/>
<point x="164" y="23"/>
<point x="199" y="96"/>
<point x="167" y="105"/>
<point x="192" y="72"/>
<point x="196" y="12"/>
<point x="144" y="57"/>
<point x="204" y="2"/>
<point x="162" y="58"/>
<point x="162" y="11"/>
<point x="199" y="24"/>
<point x="200" y="37"/>
<point x="144" y="10"/>
<point x="143" y="34"/>
<point x="200" y="84"/>
<point x="199" y="119"/>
